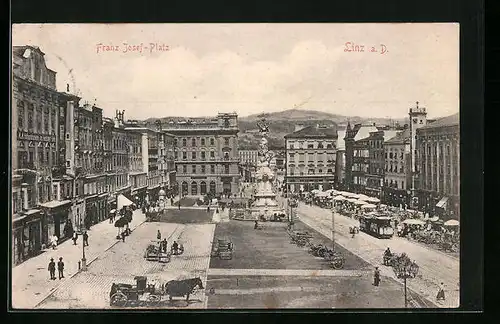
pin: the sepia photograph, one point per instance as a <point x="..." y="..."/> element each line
<point x="235" y="166"/>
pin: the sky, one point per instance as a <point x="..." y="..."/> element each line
<point x="202" y="69"/>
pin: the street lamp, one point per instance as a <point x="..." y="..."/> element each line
<point x="84" y="260"/>
<point x="292" y="202"/>
<point x="404" y="269"/>
<point x="333" y="228"/>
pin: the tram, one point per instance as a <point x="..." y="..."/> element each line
<point x="378" y="226"/>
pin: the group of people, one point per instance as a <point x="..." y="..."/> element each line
<point x="176" y="247"/>
<point x="52" y="268"/>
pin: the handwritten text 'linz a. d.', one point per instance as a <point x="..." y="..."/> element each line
<point x="359" y="48"/>
<point x="132" y="48"/>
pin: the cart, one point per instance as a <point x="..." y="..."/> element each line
<point x="153" y="253"/>
<point x="223" y="249"/>
<point x="143" y="294"/>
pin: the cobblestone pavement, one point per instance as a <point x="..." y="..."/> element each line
<point x="305" y="292"/>
<point x="30" y="279"/>
<point x="125" y="261"/>
<point x="435" y="267"/>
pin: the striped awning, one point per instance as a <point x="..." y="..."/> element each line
<point x="442" y="203"/>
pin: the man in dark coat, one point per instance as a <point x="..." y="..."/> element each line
<point x="175" y="247"/>
<point x="123" y="236"/>
<point x="60" y="268"/>
<point x="75" y="237"/>
<point x="85" y="239"/>
<point x="376" y="277"/>
<point x="164" y="245"/>
<point x="52" y="269"/>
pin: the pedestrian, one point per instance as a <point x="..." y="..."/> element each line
<point x="440" y="294"/>
<point x="60" y="268"/>
<point x="376" y="277"/>
<point x="52" y="269"/>
<point x="175" y="247"/>
<point x="54" y="241"/>
<point x="123" y="236"/>
<point x="208" y="209"/>
<point x="179" y="205"/>
<point x="85" y="239"/>
<point x="171" y="201"/>
<point x="217" y="210"/>
<point x="165" y="244"/>
<point x="158" y="235"/>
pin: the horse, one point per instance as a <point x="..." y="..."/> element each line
<point x="181" y="288"/>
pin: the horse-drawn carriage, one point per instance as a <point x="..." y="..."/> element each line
<point x="223" y="249"/>
<point x="336" y="259"/>
<point x="154" y="253"/>
<point x="300" y="238"/>
<point x="149" y="294"/>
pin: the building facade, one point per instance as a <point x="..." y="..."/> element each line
<point x="137" y="175"/>
<point x="310" y="158"/>
<point x="354" y="176"/>
<point x="397" y="182"/>
<point x="438" y="160"/>
<point x="38" y="205"/>
<point x="118" y="180"/>
<point x="248" y="164"/>
<point x="207" y="157"/>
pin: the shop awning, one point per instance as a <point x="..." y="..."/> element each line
<point x="442" y="203"/>
<point x="55" y="203"/>
<point x="123" y="201"/>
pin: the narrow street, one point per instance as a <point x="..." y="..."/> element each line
<point x="435" y="267"/>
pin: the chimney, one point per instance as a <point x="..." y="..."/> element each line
<point x="299" y="127"/>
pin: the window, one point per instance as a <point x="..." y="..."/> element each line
<point x="212" y="154"/>
<point x="310" y="146"/>
<point x="203" y="155"/>
<point x="212" y="141"/>
<point x="310" y="171"/>
<point x="193" y="142"/>
<point x="20" y="114"/>
<point x="184" y="169"/>
<point x="292" y="157"/>
<point x="193" y="155"/>
<point x="184" y="142"/>
<point x="193" y="168"/>
<point x="291" y="170"/>
<point x="184" y="155"/>
<point x="310" y="157"/>
<point x="301" y="157"/>
<point x="226" y="169"/>
<point x="202" y="142"/>
<point x="194" y="188"/>
<point x="212" y="169"/>
<point x="291" y="146"/>
<point x="320" y="157"/>
<point x="212" y="186"/>
<point x="320" y="171"/>
<point x="330" y="171"/>
<point x="320" y="145"/>
<point x="226" y="141"/>
<point x="226" y="156"/>
<point x="31" y="111"/>
<point x="203" y="169"/>
<point x="176" y="155"/>
<point x="175" y="142"/>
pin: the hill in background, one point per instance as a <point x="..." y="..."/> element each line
<point x="284" y="122"/>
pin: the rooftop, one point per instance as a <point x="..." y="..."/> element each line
<point x="314" y="132"/>
<point x="400" y="137"/>
<point x="444" y="121"/>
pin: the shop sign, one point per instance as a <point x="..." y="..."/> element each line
<point x="22" y="135"/>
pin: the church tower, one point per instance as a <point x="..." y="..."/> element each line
<point x="418" y="118"/>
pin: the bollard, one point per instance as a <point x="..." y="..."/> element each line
<point x="79" y="265"/>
